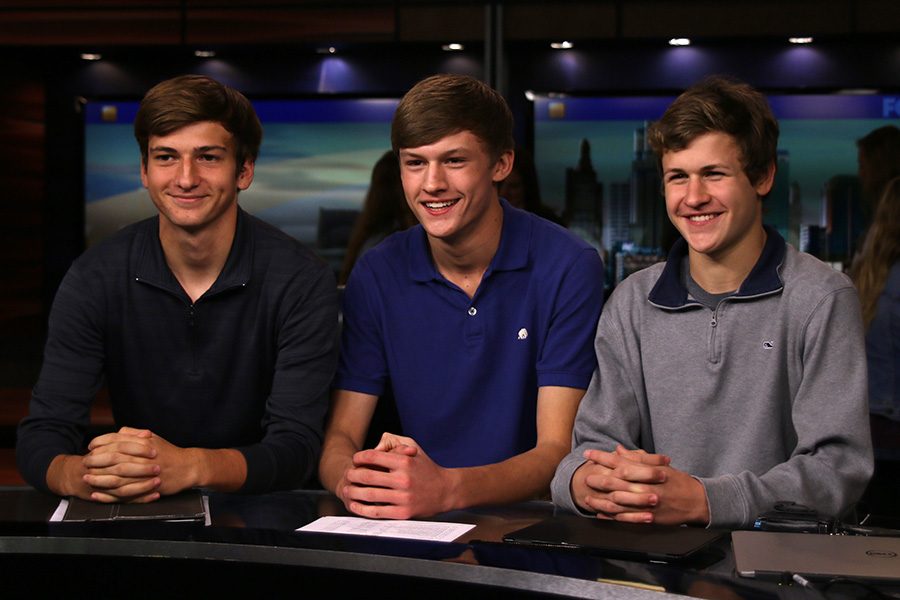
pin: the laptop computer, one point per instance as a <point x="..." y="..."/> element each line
<point x="771" y="554"/>
<point x="632" y="541"/>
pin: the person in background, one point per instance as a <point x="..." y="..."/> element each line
<point x="479" y="318"/>
<point x="732" y="376"/>
<point x="215" y="333"/>
<point x="384" y="212"/>
<point x="522" y="190"/>
<point x="876" y="273"/>
<point x="878" y="160"/>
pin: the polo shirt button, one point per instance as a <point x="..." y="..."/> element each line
<point x="473" y="311"/>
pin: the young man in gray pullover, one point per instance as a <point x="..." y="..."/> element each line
<point x="733" y="375"/>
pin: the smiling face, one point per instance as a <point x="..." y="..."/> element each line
<point x="192" y="177"/>
<point x="450" y="187"/>
<point x="711" y="201"/>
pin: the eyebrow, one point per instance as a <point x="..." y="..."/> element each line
<point x="701" y="169"/>
<point x="412" y="153"/>
<point x="197" y="150"/>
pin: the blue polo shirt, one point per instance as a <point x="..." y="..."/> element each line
<point x="465" y="372"/>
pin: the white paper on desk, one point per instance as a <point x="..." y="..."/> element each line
<point x="433" y="531"/>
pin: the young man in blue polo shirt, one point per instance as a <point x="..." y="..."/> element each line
<point x="480" y="320"/>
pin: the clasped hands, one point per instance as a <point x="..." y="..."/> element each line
<point x="134" y="465"/>
<point x="639" y="487"/>
<point x="395" y="480"/>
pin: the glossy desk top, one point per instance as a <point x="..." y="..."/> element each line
<point x="252" y="542"/>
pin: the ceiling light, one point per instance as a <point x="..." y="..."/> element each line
<point x="454" y="47"/>
<point x="681" y="41"/>
<point x="204" y="53"/>
<point x="91" y="56"/>
<point x="800" y="40"/>
<point x="326" y="50"/>
<point x="562" y="45"/>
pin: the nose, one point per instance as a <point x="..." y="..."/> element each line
<point x="187" y="176"/>
<point x="696" y="193"/>
<point x="435" y="179"/>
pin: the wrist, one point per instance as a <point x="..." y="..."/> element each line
<point x="65" y="476"/>
<point x="454" y="490"/>
<point x="700" y="514"/>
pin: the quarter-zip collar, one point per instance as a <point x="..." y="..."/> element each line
<point x="151" y="267"/>
<point x="669" y="292"/>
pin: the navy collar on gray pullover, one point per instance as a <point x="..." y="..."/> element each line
<point x="670" y="291"/>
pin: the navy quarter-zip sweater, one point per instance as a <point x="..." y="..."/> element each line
<point x="246" y="366"/>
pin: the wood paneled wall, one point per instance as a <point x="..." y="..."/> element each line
<point x="208" y="22"/>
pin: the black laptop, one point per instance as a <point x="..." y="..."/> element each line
<point x="632" y="541"/>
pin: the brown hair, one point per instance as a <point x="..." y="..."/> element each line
<point x="384" y="211"/>
<point x="189" y="99"/>
<point x="880" y="151"/>
<point x="720" y="104"/>
<point x="880" y="251"/>
<point x="442" y="105"/>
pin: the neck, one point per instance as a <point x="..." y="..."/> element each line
<point x="464" y="261"/>
<point x="197" y="258"/>
<point x="720" y="274"/>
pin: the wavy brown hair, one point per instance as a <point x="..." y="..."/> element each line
<point x="880" y="251"/>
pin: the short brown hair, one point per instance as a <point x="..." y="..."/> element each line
<point x="189" y="99"/>
<point x="442" y="105"/>
<point x="720" y="104"/>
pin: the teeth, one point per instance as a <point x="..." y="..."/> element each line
<point x="701" y="217"/>
<point x="439" y="205"/>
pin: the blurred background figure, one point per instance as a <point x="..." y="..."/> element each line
<point x="521" y="188"/>
<point x="384" y="212"/>
<point x="876" y="273"/>
<point x="879" y="162"/>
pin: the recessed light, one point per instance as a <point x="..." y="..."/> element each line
<point x="680" y="41"/>
<point x="800" y="40"/>
<point x="453" y="47"/>
<point x="91" y="56"/>
<point x="326" y="50"/>
<point x="562" y="45"/>
<point x="204" y="53"/>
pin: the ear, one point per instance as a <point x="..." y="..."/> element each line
<point x="503" y="166"/>
<point x="764" y="185"/>
<point x="144" y="173"/>
<point x="245" y="175"/>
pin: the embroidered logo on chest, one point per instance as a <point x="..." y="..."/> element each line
<point x="523" y="334"/>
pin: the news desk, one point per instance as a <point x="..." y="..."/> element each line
<point x="251" y="550"/>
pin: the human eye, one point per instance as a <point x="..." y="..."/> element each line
<point x="714" y="175"/>
<point x="163" y="157"/>
<point x="412" y="163"/>
<point x="209" y="157"/>
<point x="675" y="177"/>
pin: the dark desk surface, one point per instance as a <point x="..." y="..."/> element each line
<point x="251" y="548"/>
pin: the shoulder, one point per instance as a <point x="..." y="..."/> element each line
<point x="549" y="236"/>
<point x="555" y="251"/>
<point x="634" y="290"/>
<point x="115" y="252"/>
<point x="275" y="249"/>
<point x="393" y="253"/>
<point x="806" y="277"/>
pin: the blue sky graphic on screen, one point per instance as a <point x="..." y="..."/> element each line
<point x="817" y="145"/>
<point x="316" y="154"/>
